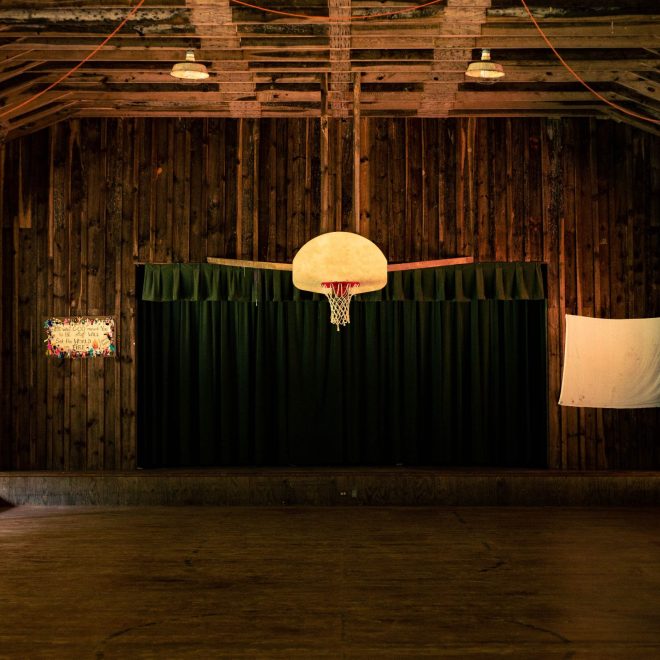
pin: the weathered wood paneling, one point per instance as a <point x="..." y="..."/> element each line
<point x="83" y="201"/>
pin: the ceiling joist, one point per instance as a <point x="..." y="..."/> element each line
<point x="266" y="64"/>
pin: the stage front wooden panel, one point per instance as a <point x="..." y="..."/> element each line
<point x="84" y="201"/>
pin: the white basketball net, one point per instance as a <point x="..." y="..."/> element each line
<point x="339" y="296"/>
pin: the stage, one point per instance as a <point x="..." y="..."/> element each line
<point x="398" y="486"/>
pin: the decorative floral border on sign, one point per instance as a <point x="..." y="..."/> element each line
<point x="101" y="329"/>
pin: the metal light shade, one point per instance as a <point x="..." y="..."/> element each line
<point x="485" y="68"/>
<point x="189" y="70"/>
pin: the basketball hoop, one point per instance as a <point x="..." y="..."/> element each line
<point x="339" y="296"/>
<point x="337" y="263"/>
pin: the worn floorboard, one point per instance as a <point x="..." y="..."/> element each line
<point x="208" y="582"/>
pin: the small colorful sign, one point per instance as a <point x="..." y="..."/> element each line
<point x="80" y="337"/>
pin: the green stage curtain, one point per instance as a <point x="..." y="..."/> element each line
<point x="210" y="283"/>
<point x="269" y="382"/>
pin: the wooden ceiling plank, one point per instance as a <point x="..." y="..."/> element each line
<point x="640" y="104"/>
<point x="75" y="52"/>
<point x="5" y="61"/>
<point x="263" y="65"/>
<point x="574" y="30"/>
<point x="339" y="47"/>
<point x="520" y="69"/>
<point x="20" y="92"/>
<point x="642" y="87"/>
<point x="220" y="18"/>
<point x="462" y="17"/>
<point x="49" y="119"/>
<point x="620" y="117"/>
<point x="18" y="71"/>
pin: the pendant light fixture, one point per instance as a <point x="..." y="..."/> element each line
<point x="189" y="70"/>
<point x="485" y="68"/>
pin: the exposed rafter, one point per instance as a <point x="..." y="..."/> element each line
<point x="265" y="64"/>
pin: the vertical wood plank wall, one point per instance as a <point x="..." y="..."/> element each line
<point x="83" y="201"/>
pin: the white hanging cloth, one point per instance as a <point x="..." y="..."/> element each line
<point x="611" y="363"/>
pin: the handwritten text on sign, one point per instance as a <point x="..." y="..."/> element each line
<point x="80" y="337"/>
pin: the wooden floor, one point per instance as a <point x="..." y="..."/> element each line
<point x="207" y="582"/>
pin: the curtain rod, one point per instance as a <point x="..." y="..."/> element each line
<point x="273" y="265"/>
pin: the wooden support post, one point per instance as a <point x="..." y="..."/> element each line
<point x="356" y="153"/>
<point x="239" y="189"/>
<point x="256" y="138"/>
<point x="325" y="173"/>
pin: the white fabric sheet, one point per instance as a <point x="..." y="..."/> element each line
<point x="611" y="363"/>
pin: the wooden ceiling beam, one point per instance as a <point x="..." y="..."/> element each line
<point x="303" y="33"/>
<point x="37" y="120"/>
<point x="542" y="8"/>
<point x="574" y="30"/>
<point x="209" y="98"/>
<point x="13" y="94"/>
<point x="264" y="65"/>
<point x="160" y="11"/>
<point x="18" y="71"/>
<point x="620" y="117"/>
<point x="551" y="71"/>
<point x="74" y="52"/>
<point x="569" y="34"/>
<point x="460" y="17"/>
<point x="641" y="86"/>
<point x="223" y="111"/>
<point x="641" y="105"/>
<point x="339" y="55"/>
